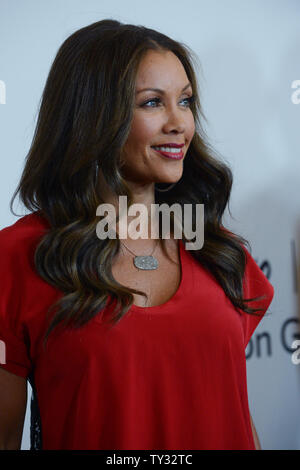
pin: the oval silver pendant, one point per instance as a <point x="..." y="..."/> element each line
<point x="145" y="262"/>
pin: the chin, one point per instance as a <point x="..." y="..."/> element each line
<point x="169" y="179"/>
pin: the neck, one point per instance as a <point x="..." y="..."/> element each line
<point x="141" y="193"/>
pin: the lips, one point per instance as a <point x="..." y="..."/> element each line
<point x="177" y="146"/>
<point x="173" y="156"/>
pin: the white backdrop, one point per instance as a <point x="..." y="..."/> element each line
<point x="249" y="52"/>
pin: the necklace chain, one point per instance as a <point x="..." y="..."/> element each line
<point x="135" y="253"/>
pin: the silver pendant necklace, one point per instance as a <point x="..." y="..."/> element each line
<point x="144" y="262"/>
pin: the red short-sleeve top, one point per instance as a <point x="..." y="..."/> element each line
<point x="171" y="376"/>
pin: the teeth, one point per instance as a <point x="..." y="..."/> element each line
<point x="168" y="149"/>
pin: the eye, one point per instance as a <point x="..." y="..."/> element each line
<point x="154" y="100"/>
<point x="189" y="100"/>
<point x="158" y="100"/>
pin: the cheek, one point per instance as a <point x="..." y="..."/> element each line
<point x="143" y="131"/>
<point x="191" y="127"/>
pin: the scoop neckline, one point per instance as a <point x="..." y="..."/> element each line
<point x="168" y="303"/>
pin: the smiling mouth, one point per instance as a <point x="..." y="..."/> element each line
<point x="175" y="154"/>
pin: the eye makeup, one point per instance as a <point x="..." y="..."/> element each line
<point x="189" y="99"/>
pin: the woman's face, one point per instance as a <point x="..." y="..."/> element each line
<point x="160" y="117"/>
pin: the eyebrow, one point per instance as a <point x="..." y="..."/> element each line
<point x="162" y="91"/>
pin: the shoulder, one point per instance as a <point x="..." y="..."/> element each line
<point x="23" y="230"/>
<point x="255" y="286"/>
<point x="20" y="238"/>
<point x="255" y="281"/>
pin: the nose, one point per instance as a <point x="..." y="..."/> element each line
<point x="175" y="120"/>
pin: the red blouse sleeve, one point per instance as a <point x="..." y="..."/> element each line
<point x="255" y="284"/>
<point x="14" y="344"/>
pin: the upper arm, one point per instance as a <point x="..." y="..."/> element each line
<point x="17" y="244"/>
<point x="13" y="401"/>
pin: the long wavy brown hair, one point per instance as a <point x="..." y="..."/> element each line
<point x="83" y="123"/>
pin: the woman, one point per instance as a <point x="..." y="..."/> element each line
<point x="119" y="356"/>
